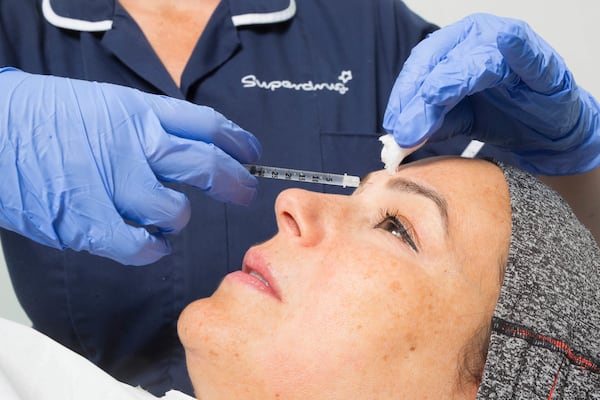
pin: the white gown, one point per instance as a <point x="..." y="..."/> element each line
<point x="34" y="367"/>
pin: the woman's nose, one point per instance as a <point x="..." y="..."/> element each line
<point x="300" y="215"/>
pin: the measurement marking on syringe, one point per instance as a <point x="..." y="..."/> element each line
<point x="303" y="176"/>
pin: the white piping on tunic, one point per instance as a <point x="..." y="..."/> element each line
<point x="265" y="18"/>
<point x="98" y="26"/>
<point x="472" y="149"/>
<point x="72" y="23"/>
<point x="238" y="20"/>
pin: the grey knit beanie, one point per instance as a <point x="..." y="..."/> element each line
<point x="545" y="341"/>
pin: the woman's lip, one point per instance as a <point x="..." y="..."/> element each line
<point x="255" y="261"/>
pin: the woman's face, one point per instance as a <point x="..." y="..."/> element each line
<point x="368" y="296"/>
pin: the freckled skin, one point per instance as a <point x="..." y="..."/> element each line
<point x="395" y="286"/>
<point x="362" y="315"/>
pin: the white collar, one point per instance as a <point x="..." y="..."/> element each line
<point x="70" y="14"/>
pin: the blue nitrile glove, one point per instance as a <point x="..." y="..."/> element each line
<point x="78" y="158"/>
<point x="495" y="80"/>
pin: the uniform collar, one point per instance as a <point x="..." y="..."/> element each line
<point x="97" y="15"/>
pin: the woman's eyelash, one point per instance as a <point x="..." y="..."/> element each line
<point x="389" y="221"/>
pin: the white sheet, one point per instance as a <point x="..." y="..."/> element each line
<point x="34" y="367"/>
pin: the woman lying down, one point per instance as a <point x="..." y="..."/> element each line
<point x="452" y="279"/>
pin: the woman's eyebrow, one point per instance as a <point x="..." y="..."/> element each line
<point x="408" y="186"/>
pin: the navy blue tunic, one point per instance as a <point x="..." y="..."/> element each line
<point x="309" y="79"/>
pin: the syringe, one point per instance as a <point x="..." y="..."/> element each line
<point x="299" y="175"/>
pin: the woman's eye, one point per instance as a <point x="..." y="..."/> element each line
<point x="392" y="224"/>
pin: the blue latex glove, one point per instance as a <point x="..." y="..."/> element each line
<point x="78" y="158"/>
<point x="495" y="80"/>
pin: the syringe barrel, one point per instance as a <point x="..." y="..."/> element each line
<point x="298" y="175"/>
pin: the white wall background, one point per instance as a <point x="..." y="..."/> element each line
<point x="571" y="27"/>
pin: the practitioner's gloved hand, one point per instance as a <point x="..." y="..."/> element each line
<point x="79" y="158"/>
<point x="495" y="80"/>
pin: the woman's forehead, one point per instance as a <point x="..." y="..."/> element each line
<point x="445" y="174"/>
